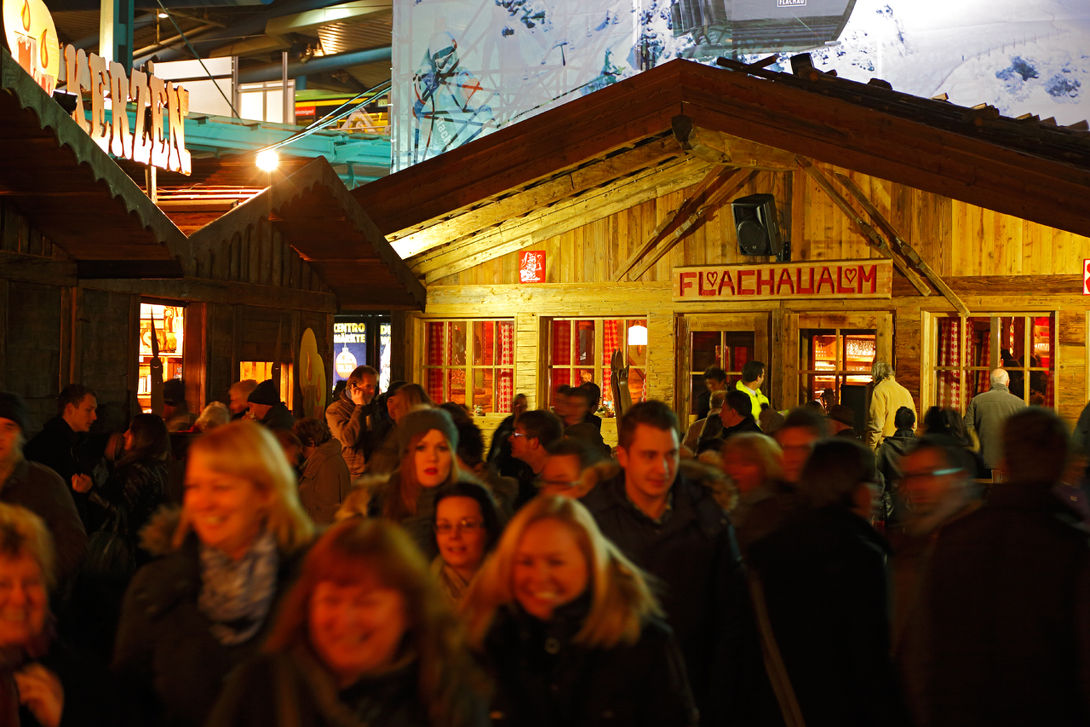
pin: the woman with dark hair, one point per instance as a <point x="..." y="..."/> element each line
<point x="364" y="638"/>
<point x="821" y="594"/>
<point x="427" y="440"/>
<point x="569" y="629"/>
<point x="467" y="525"/>
<point x="203" y="607"/>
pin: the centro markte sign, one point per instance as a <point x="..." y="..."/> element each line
<point x="157" y="136"/>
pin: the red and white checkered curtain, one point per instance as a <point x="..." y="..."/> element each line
<point x="507" y="362"/>
<point x="984" y="356"/>
<point x="435" y="358"/>
<point x="1046" y="361"/>
<point x="949" y="342"/>
<point x="611" y="340"/>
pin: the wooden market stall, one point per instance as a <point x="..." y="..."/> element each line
<point x="944" y="239"/>
<point x="90" y="267"/>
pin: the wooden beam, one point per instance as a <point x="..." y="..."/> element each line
<point x="694" y="221"/>
<point x="560" y="218"/>
<point x="863" y="227"/>
<point x="216" y="291"/>
<point x="715" y="179"/>
<point x="902" y="246"/>
<point x="716" y="147"/>
<point x="34" y="269"/>
<point x="486" y="213"/>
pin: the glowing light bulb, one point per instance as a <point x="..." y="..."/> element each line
<point x="268" y="160"/>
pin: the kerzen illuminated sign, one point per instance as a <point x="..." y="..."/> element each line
<point x="157" y="136"/>
<point x="32" y="39"/>
<point x="147" y="142"/>
<point x="825" y="279"/>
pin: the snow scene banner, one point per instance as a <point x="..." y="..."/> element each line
<point x="464" y="68"/>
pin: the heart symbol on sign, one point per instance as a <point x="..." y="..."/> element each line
<point x="712" y="277"/>
<point x="849" y="275"/>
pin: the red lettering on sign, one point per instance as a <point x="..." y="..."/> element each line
<point x="726" y="282"/>
<point x="685" y="280"/>
<point x="744" y="274"/>
<point x="711" y="278"/>
<point x="770" y="283"/>
<point x="800" y="289"/>
<point x="785" y="277"/>
<point x="845" y="280"/>
<point x="826" y="277"/>
<point x="868" y="273"/>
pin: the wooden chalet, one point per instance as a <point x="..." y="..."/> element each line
<point x="946" y="240"/>
<point x="89" y="265"/>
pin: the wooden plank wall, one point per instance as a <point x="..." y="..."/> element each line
<point x="955" y="238"/>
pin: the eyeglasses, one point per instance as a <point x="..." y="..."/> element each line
<point x="519" y="434"/>
<point x="467" y="525"/>
<point x="929" y="473"/>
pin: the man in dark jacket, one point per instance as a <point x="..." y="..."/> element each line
<point x="1004" y="618"/>
<point x="715" y="379"/>
<point x="737" y="416"/>
<point x="38" y="489"/>
<point x="267" y="408"/>
<point x="674" y="529"/>
<point x="987" y="412"/>
<point x="62" y="443"/>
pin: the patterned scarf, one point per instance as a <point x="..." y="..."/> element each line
<point x="236" y="594"/>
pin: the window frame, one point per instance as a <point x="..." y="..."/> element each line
<point x="599" y="365"/>
<point x="501" y="405"/>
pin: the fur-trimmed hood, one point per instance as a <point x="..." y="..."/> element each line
<point x="157" y="535"/>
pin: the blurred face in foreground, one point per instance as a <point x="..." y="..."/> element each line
<point x="356" y="629"/>
<point x="796" y="443"/>
<point x="23" y="600"/>
<point x="550" y="568"/>
<point x="226" y="511"/>
<point x="560" y="475"/>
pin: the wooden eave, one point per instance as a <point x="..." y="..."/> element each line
<point x="1024" y="169"/>
<point x="320" y="219"/>
<point x="74" y="192"/>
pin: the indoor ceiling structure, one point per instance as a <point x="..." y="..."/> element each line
<point x="348" y="43"/>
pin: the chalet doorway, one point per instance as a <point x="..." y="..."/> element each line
<point x="727" y="340"/>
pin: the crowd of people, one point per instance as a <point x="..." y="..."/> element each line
<point x="815" y="566"/>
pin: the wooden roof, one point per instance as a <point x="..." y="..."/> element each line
<point x="658" y="131"/>
<point x="74" y="192"/>
<point x="321" y="220"/>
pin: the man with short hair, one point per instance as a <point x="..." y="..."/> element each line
<point x="988" y="411"/>
<point x="238" y="397"/>
<point x="39" y="489"/>
<point x="1008" y="586"/>
<point x="886" y="397"/>
<point x="61" y="443"/>
<point x="575" y="420"/>
<point x="736" y="415"/>
<point x="893" y="448"/>
<point x="715" y="379"/>
<point x="566" y="460"/>
<point x="534" y="431"/>
<point x="673" y="528"/>
<point x="753" y="375"/>
<point x="352" y="418"/>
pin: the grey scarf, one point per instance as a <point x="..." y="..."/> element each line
<point x="236" y="594"/>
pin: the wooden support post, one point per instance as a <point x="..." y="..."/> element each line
<point x="712" y="182"/>
<point x="876" y="241"/>
<point x="902" y="246"/>
<point x="692" y="223"/>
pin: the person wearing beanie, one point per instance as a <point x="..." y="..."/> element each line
<point x="427" y="440"/>
<point x="39" y="489"/>
<point x="267" y="408"/>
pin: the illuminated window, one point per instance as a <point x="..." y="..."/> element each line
<point x="729" y="350"/>
<point x="263" y="370"/>
<point x="580" y="350"/>
<point x="836" y="359"/>
<point x="168" y="323"/>
<point x="481" y="353"/>
<point x="967" y="349"/>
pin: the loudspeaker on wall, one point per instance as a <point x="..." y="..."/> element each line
<point x="757" y="225"/>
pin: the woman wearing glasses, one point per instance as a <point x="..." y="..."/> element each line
<point x="467" y="525"/>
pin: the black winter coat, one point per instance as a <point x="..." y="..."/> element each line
<point x="1003" y="629"/>
<point x="826" y="590"/>
<point x="166" y="659"/>
<point x="695" y="559"/>
<point x="544" y="680"/>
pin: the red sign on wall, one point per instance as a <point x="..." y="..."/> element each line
<point x="532" y="266"/>
<point x="767" y="281"/>
<point x="1086" y="277"/>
